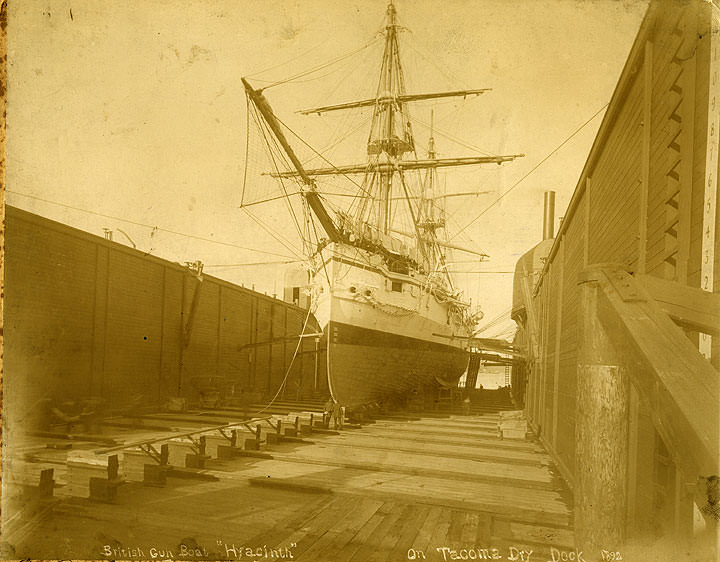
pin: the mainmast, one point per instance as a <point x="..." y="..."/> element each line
<point x="383" y="140"/>
<point x="390" y="139"/>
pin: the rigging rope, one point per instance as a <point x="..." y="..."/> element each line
<point x="447" y="135"/>
<point x="287" y="373"/>
<point x="452" y="79"/>
<point x="289" y="60"/>
<point x="229" y="265"/>
<point x="320" y="155"/>
<point x="287" y="198"/>
<point x="273" y="234"/>
<point x="145" y="225"/>
<point x="320" y="67"/>
<point x="545" y="159"/>
<point x="247" y="147"/>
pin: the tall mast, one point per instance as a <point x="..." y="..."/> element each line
<point x="387" y="87"/>
<point x="389" y="139"/>
<point x="426" y="197"/>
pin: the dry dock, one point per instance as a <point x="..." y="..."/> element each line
<point x="207" y="439"/>
<point x="402" y="486"/>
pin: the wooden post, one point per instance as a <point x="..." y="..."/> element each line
<point x="600" y="431"/>
<point x="560" y="273"/>
<point x="586" y="225"/>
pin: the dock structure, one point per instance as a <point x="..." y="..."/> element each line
<point x="129" y="329"/>
<point x="199" y="431"/>
<point x="401" y="485"/>
<point x="619" y="312"/>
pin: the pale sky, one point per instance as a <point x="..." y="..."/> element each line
<point x="135" y="111"/>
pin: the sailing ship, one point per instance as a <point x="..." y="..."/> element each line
<point x="394" y="321"/>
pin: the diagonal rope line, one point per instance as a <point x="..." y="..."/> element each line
<point x="563" y="143"/>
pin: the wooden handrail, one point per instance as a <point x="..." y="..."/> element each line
<point x="681" y="387"/>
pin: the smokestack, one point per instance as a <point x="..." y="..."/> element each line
<point x="549" y="216"/>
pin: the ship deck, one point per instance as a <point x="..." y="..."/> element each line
<point x="387" y="490"/>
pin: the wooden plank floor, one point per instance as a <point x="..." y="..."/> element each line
<point x="381" y="493"/>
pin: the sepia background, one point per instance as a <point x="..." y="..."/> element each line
<point x="128" y="248"/>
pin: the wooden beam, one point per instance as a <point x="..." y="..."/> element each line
<point x="712" y="160"/>
<point x="647" y="127"/>
<point x="392" y="100"/>
<point x="193" y="309"/>
<point x="632" y="470"/>
<point x="601" y="418"/>
<point x="100" y="321"/>
<point x="586" y="229"/>
<point x="688" y="50"/>
<point x="680" y="387"/>
<point x="399" y="165"/>
<point x="689" y="307"/>
<point x="558" y="339"/>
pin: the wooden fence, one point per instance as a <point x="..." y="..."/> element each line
<point x="88" y="317"/>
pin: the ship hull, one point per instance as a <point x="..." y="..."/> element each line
<point x="387" y="336"/>
<point x="367" y="366"/>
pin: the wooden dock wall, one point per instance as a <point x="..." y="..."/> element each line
<point x="85" y="316"/>
<point x="646" y="200"/>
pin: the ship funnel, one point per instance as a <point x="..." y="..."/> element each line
<point x="549" y="216"/>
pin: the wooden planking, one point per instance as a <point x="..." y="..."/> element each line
<point x="340" y="536"/>
<point x="406" y="533"/>
<point x="363" y="534"/>
<point x="522" y="504"/>
<point x="551" y="356"/>
<point x="382" y="538"/>
<point x="235" y="327"/>
<point x="652" y="131"/>
<point x="678" y="87"/>
<point x="49" y="308"/>
<point x="424" y="437"/>
<point x="201" y="353"/>
<point x="132" y="349"/>
<point x="487" y="453"/>
<point x="172" y="333"/>
<point x="537" y="476"/>
<point x="572" y="260"/>
<point x="616" y="182"/>
<point x="670" y="375"/>
<point x="523" y="533"/>
<point x="118" y="317"/>
<point x="361" y="515"/>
